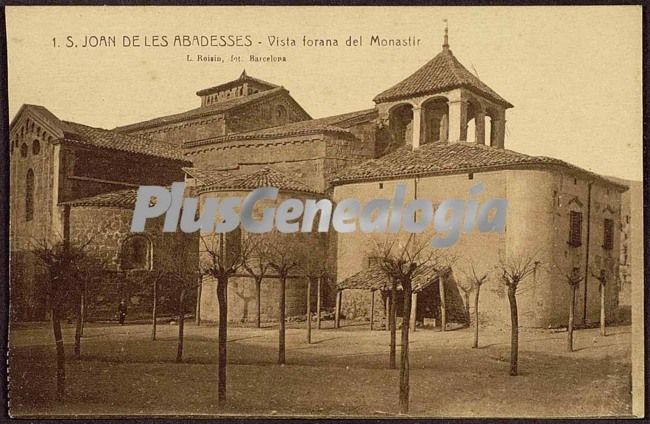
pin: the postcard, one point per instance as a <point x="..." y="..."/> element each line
<point x="325" y="212"/>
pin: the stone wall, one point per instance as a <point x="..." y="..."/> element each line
<point x="540" y="197"/>
<point x="258" y="115"/>
<point x="273" y="112"/>
<point x="242" y="301"/>
<point x="307" y="249"/>
<point x="190" y="129"/>
<point x="174" y="255"/>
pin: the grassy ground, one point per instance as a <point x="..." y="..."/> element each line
<point x="343" y="372"/>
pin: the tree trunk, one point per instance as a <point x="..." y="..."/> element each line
<point x="392" y="314"/>
<point x="404" y="363"/>
<point x="337" y="312"/>
<point x="514" y="332"/>
<point x="199" y="289"/>
<point x="222" y="286"/>
<point x="78" y="327"/>
<point x="372" y="309"/>
<point x="181" y="326"/>
<point x="281" y="353"/>
<point x="443" y="304"/>
<point x="309" y="310"/>
<point x="318" y="302"/>
<point x="387" y="312"/>
<point x="414" y="311"/>
<point x="478" y="291"/>
<point x="572" y="307"/>
<point x="467" y="311"/>
<point x="83" y="308"/>
<point x="258" y="299"/>
<point x="155" y="310"/>
<point x="60" y="354"/>
<point x="603" y="329"/>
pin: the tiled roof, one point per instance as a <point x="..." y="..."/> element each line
<point x="214" y="109"/>
<point x="450" y="158"/>
<point x="442" y="73"/>
<point x="244" y="77"/>
<point x="265" y="177"/>
<point x="208" y="176"/>
<point x="374" y="278"/>
<point x="330" y="124"/>
<point x="120" y="199"/>
<point x="110" y="139"/>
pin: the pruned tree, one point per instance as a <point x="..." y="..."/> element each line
<point x="221" y="260"/>
<point x="514" y="269"/>
<point x="156" y="277"/>
<point x="257" y="266"/>
<point x="402" y="262"/>
<point x="474" y="282"/>
<point x="66" y="264"/>
<point x="284" y="254"/>
<point x="314" y="267"/>
<point x="602" y="280"/>
<point x="184" y="283"/>
<point x="573" y="277"/>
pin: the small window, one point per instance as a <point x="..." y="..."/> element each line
<point x="29" y="196"/>
<point x="575" y="229"/>
<point x="608" y="234"/>
<point x="280" y="112"/>
<point x="136" y="254"/>
<point x="23" y="150"/>
<point x="36" y="147"/>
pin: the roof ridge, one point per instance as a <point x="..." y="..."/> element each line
<point x="219" y="107"/>
<point x="442" y="158"/>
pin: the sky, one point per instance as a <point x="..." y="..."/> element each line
<point x="573" y="73"/>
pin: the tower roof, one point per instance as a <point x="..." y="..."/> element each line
<point x="443" y="72"/>
<point x="244" y="77"/>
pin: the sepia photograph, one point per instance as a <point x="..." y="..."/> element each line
<point x="325" y="212"/>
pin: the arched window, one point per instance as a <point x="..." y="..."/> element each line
<point x="23" y="150"/>
<point x="29" y="196"/>
<point x="136" y="253"/>
<point x="36" y="147"/>
<point x="281" y="112"/>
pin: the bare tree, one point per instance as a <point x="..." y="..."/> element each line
<point x="284" y="253"/>
<point x="185" y="282"/>
<point x="602" y="279"/>
<point x="573" y="279"/>
<point x="475" y="280"/>
<point x="257" y="266"/>
<point x="514" y="270"/>
<point x="313" y="267"/>
<point x="156" y="277"/>
<point x="65" y="264"/>
<point x="221" y="261"/>
<point x="402" y="263"/>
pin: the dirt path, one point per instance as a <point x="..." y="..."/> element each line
<point x="344" y="372"/>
